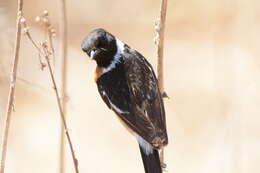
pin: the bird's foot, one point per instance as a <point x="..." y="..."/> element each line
<point x="164" y="95"/>
<point x="164" y="167"/>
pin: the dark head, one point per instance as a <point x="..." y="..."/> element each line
<point x="100" y="46"/>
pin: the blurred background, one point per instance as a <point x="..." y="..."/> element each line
<point x="211" y="76"/>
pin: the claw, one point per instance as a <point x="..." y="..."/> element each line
<point x="163" y="165"/>
<point x="164" y="95"/>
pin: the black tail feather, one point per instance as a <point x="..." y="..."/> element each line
<point x="151" y="162"/>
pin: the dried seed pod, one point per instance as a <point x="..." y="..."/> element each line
<point x="45" y="13"/>
<point x="37" y="19"/>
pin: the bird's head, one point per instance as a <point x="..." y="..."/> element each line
<point x="100" y="46"/>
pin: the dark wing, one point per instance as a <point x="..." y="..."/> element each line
<point x="147" y="103"/>
<point x="132" y="92"/>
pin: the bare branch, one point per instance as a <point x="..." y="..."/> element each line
<point x="64" y="70"/>
<point x="75" y="161"/>
<point x="10" y="104"/>
<point x="159" y="41"/>
<point x="46" y="51"/>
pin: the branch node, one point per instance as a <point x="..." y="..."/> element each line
<point x="13" y="106"/>
<point x="25" y="30"/>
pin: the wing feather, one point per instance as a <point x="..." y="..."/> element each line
<point x="131" y="91"/>
<point x="146" y="98"/>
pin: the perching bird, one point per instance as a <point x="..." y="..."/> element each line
<point x="128" y="85"/>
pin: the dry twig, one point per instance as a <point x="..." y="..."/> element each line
<point x="75" y="161"/>
<point x="10" y="104"/>
<point x="46" y="51"/>
<point x="159" y="41"/>
<point x="63" y="55"/>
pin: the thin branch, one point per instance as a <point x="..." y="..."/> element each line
<point x="10" y="104"/>
<point x="159" y="41"/>
<point x="44" y="51"/>
<point x="75" y="161"/>
<point x="50" y="35"/>
<point x="64" y="70"/>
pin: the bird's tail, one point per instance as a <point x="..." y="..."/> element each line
<point x="151" y="161"/>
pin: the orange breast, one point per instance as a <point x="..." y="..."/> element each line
<point x="99" y="71"/>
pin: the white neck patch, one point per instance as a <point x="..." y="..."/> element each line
<point x="117" y="58"/>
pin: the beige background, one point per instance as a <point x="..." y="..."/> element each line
<point x="212" y="77"/>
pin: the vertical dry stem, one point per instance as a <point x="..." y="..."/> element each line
<point x="159" y="40"/>
<point x="45" y="52"/>
<point x="63" y="54"/>
<point x="160" y="27"/>
<point x="10" y="104"/>
<point x="75" y="161"/>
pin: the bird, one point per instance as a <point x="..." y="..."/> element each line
<point x="128" y="85"/>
